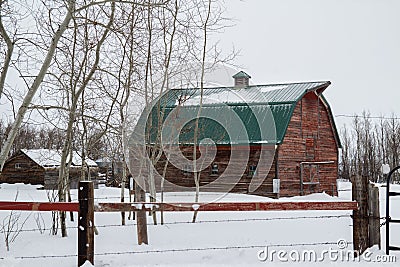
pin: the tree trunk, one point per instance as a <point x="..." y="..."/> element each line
<point x="9" y="52"/>
<point x="32" y="90"/>
<point x="123" y="183"/>
<point x="162" y="188"/>
<point x="196" y="174"/>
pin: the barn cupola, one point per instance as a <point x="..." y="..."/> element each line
<point x="241" y="79"/>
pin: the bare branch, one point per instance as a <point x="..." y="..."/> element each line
<point x="9" y="52"/>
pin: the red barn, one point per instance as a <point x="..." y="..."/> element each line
<point x="288" y="130"/>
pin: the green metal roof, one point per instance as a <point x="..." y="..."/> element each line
<point x="264" y="111"/>
<point x="273" y="93"/>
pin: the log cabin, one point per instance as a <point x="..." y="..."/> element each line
<point x="41" y="167"/>
<point x="275" y="140"/>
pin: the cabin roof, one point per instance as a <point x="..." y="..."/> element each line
<point x="52" y="158"/>
<point x="265" y="111"/>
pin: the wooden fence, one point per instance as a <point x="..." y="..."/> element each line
<point x="86" y="209"/>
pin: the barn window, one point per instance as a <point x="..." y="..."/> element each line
<point x="214" y="169"/>
<point x="18" y="165"/>
<point x="252" y="170"/>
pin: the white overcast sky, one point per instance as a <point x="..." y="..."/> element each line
<point x="355" y="44"/>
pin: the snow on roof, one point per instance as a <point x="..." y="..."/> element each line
<point x="104" y="160"/>
<point x="269" y="93"/>
<point x="252" y="94"/>
<point x="52" y="158"/>
<point x="227" y="96"/>
<point x="271" y="88"/>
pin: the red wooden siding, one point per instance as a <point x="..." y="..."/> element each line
<point x="309" y="137"/>
<point x="222" y="159"/>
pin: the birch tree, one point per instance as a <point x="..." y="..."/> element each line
<point x="77" y="91"/>
<point x="51" y="10"/>
<point x="196" y="129"/>
<point x="9" y="46"/>
<point x="36" y="83"/>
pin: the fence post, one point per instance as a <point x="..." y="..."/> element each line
<point x="360" y="216"/>
<point x="374" y="219"/>
<point x="141" y="219"/>
<point x="86" y="223"/>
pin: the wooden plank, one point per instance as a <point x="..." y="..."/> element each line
<point x="360" y="216"/>
<point x="141" y="218"/>
<point x="374" y="220"/>
<point x="227" y="206"/>
<point x="86" y="223"/>
<point x="222" y="206"/>
<point x="39" y="206"/>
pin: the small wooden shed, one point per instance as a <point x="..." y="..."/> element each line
<point x="41" y="166"/>
<point x="291" y="122"/>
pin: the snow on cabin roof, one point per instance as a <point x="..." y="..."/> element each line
<point x="52" y="158"/>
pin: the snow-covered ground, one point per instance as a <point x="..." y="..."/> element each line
<point x="217" y="239"/>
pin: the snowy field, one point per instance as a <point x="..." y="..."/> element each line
<point x="217" y="239"/>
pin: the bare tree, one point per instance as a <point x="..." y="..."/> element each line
<point x="76" y="95"/>
<point x="35" y="85"/>
<point x="70" y="9"/>
<point x="345" y="171"/>
<point x="367" y="145"/>
<point x="12" y="226"/>
<point x="196" y="129"/>
<point x="9" y="44"/>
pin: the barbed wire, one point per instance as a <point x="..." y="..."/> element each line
<point x="178" y="250"/>
<point x="344" y="190"/>
<point x="383" y="223"/>
<point x="110" y="197"/>
<point x="214" y="248"/>
<point x="202" y="221"/>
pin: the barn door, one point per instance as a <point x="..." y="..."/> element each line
<point x="309" y="178"/>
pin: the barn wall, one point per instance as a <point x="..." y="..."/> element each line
<point x="222" y="158"/>
<point x="309" y="137"/>
<point x="28" y="172"/>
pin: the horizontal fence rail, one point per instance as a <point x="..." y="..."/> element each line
<point x="220" y="206"/>
<point x="39" y="206"/>
<point x="227" y="206"/>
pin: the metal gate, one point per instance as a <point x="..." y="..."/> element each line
<point x="389" y="220"/>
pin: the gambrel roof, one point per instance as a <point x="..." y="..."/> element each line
<point x="264" y="110"/>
